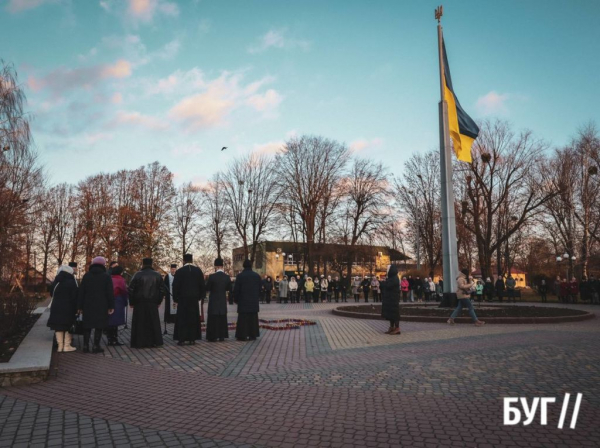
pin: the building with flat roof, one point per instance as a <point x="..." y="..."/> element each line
<point x="278" y="258"/>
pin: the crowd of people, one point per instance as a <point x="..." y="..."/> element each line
<point x="98" y="304"/>
<point x="570" y="291"/>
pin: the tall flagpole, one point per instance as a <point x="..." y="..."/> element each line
<point x="449" y="249"/>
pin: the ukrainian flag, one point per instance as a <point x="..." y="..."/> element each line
<point x="463" y="129"/>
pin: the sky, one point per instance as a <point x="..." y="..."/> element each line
<point x="117" y="84"/>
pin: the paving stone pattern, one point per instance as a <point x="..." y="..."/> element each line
<point x="340" y="383"/>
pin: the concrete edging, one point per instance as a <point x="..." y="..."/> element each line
<point x="465" y="320"/>
<point x="30" y="364"/>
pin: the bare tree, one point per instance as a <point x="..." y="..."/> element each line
<point x="418" y="195"/>
<point x="503" y="188"/>
<point x="309" y="168"/>
<point x="365" y="194"/>
<point x="251" y="197"/>
<point x="188" y="205"/>
<point x="20" y="174"/>
<point x="216" y="222"/>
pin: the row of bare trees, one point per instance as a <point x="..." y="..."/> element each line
<point x="517" y="204"/>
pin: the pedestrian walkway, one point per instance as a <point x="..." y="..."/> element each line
<point x="339" y="383"/>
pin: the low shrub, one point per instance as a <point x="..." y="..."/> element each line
<point x="15" y="312"/>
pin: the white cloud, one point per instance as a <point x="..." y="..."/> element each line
<point x="268" y="148"/>
<point x="267" y="101"/>
<point x="278" y="39"/>
<point x="204" y="26"/>
<point x="492" y="103"/>
<point x="362" y="144"/>
<point x="217" y="99"/>
<point x="116" y="98"/>
<point x="190" y="149"/>
<point x="23" y="5"/>
<point x="145" y="10"/>
<point x="64" y="79"/>
<point x="137" y="119"/>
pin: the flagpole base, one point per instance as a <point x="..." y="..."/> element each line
<point x="449" y="300"/>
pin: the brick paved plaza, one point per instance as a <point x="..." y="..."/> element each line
<point x="339" y="383"/>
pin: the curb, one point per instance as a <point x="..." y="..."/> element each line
<point x="467" y="320"/>
<point x="30" y="364"/>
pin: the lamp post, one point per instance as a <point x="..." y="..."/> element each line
<point x="569" y="261"/>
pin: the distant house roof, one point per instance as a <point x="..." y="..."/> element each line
<point x="290" y="247"/>
<point x="513" y="271"/>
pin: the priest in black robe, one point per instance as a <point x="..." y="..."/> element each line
<point x="217" y="286"/>
<point x="246" y="294"/>
<point x="170" y="313"/>
<point x="146" y="291"/>
<point x="189" y="292"/>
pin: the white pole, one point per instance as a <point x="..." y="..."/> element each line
<point x="449" y="249"/>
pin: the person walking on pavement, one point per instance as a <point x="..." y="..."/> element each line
<point x="463" y="294"/>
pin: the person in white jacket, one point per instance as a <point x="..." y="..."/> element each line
<point x="293" y="285"/>
<point x="324" y="287"/>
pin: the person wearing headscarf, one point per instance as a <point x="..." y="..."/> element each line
<point x="246" y="294"/>
<point x="146" y="291"/>
<point x="356" y="288"/>
<point x="218" y="286"/>
<point x="463" y="294"/>
<point x="293" y="286"/>
<point x="63" y="309"/>
<point x="189" y="292"/>
<point x="390" y="306"/>
<point x="324" y="286"/>
<point x="330" y="287"/>
<point x="404" y="285"/>
<point x="543" y="290"/>
<point x="309" y="287"/>
<point x="317" y="289"/>
<point x="121" y="300"/>
<point x="375" y="287"/>
<point x="283" y="290"/>
<point x="488" y="289"/>
<point x="267" y="288"/>
<point x="335" y="286"/>
<point x="366" y="286"/>
<point x="95" y="301"/>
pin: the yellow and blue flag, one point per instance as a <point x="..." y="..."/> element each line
<point x="463" y="129"/>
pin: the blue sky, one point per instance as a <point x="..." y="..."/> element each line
<point x="119" y="83"/>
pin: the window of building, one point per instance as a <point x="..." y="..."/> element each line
<point x="293" y="259"/>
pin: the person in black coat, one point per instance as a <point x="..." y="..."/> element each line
<point x="189" y="292"/>
<point x="344" y="285"/>
<point x="95" y="301"/>
<point x="267" y="288"/>
<point x="488" y="289"/>
<point x="218" y="286"/>
<point x="63" y="310"/>
<point x="543" y="290"/>
<point x="246" y="294"/>
<point x="366" y="286"/>
<point x="500" y="288"/>
<point x="390" y="300"/>
<point x="170" y="314"/>
<point x="146" y="291"/>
